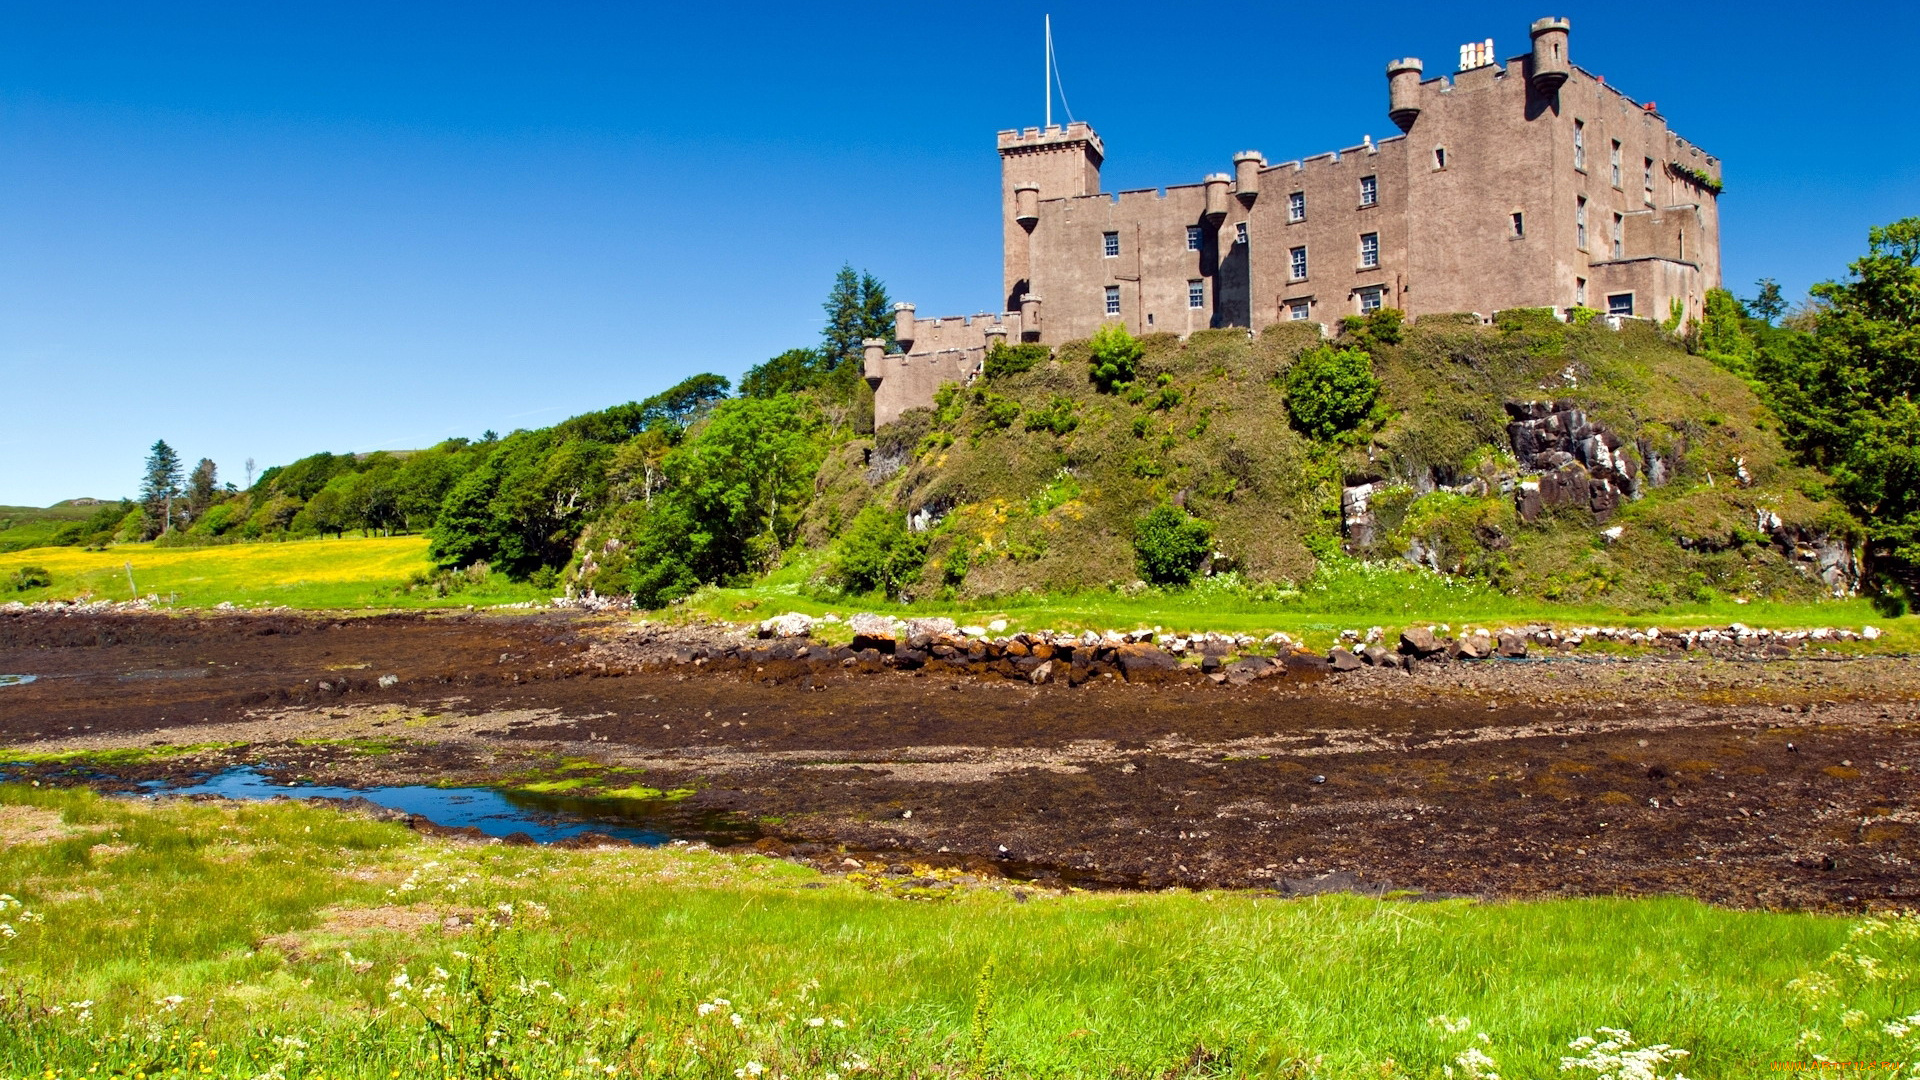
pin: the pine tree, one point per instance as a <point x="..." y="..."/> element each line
<point x="161" y="487"/>
<point x="202" y="484"/>
<point x="857" y="308"/>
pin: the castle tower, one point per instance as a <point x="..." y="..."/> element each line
<point x="1550" y="64"/>
<point x="1036" y="164"/>
<point x="1403" y="92"/>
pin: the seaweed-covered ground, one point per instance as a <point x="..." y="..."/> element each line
<point x="1786" y="782"/>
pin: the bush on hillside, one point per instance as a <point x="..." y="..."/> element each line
<point x="1722" y="338"/>
<point x="1330" y="391"/>
<point x="1004" y="359"/>
<point x="1114" y="356"/>
<point x="1170" y="545"/>
<point x="29" y="577"/>
<point x="879" y="552"/>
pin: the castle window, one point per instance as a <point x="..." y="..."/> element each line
<point x="1113" y="298"/>
<point x="1297" y="263"/>
<point x="1299" y="310"/>
<point x="1371" y="300"/>
<point x="1614" y="158"/>
<point x="1580" y="291"/>
<point x="1369" y="190"/>
<point x="1519" y="225"/>
<point x="1297" y="206"/>
<point x="1580" y="223"/>
<point x="1369" y="250"/>
<point x="1193" y="238"/>
<point x="1620" y="303"/>
<point x="1239" y="232"/>
<point x="1110" y="244"/>
<point x="1439" y="157"/>
<point x="1647" y="177"/>
<point x="1619" y="237"/>
<point x="1580" y="145"/>
<point x="1196" y="293"/>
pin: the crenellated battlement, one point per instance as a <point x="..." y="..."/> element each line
<point x="1029" y="139"/>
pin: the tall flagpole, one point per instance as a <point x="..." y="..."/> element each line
<point x="1047" y="65"/>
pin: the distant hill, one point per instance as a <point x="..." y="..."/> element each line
<point x="22" y="527"/>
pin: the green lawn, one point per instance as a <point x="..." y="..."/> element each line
<point x="354" y="572"/>
<point x="241" y="940"/>
<point x="1391" y="595"/>
<point x="361" y="573"/>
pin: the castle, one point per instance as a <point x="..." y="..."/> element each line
<point x="1528" y="183"/>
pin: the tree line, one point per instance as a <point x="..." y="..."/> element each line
<point x="694" y="483"/>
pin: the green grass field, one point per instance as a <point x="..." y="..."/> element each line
<point x="271" y="939"/>
<point x="363" y="573"/>
<point x="354" y="572"/>
<point x="1356" y="597"/>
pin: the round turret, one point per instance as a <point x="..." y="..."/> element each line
<point x="1246" y="174"/>
<point x="1026" y="206"/>
<point x="1030" y="316"/>
<point x="1550" y="64"/>
<point x="1217" y="185"/>
<point x="903" y="326"/>
<point x="1403" y="92"/>
<point x="873" y="360"/>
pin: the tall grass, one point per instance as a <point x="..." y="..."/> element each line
<point x="199" y="937"/>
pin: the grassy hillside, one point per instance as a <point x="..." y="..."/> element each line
<point x="1036" y="479"/>
<point x="288" y="940"/>
<point x="346" y="573"/>
<point x="24" y="527"/>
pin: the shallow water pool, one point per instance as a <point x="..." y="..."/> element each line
<point x="496" y="813"/>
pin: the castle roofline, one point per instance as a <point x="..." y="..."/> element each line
<point x="1034" y="138"/>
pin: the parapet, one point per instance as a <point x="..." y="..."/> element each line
<point x="1033" y="138"/>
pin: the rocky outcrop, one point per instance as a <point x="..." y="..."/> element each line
<point x="1579" y="462"/>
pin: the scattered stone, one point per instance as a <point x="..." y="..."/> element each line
<point x="792" y="624"/>
<point x="1420" y="641"/>
<point x="1145" y="663"/>
<point x="1041" y="675"/>
<point x="1343" y="659"/>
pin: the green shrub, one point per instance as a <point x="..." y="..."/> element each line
<point x="1170" y="545"/>
<point x="1384" y="326"/>
<point x="1004" y="359"/>
<point x="29" y="577"/>
<point x="1330" y="391"/>
<point x="878" y="551"/>
<point x="1058" y="417"/>
<point x="1722" y="338"/>
<point x="1115" y="354"/>
<point x="996" y="412"/>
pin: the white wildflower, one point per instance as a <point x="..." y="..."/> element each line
<point x="736" y="1020"/>
<point x="170" y="1002"/>
<point x="1853" y="1018"/>
<point x="751" y="1068"/>
<point x="401" y="980"/>
<point x="839" y="1023"/>
<point x="1616" y="1057"/>
<point x="815" y="1021"/>
<point x="1897" y="1028"/>
<point x="1476" y="1065"/>
<point x="1450" y="1025"/>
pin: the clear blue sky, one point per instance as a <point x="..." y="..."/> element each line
<point x="261" y="230"/>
